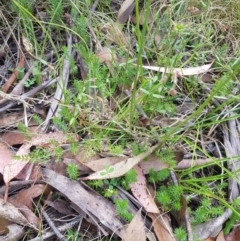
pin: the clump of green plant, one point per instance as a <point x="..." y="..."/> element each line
<point x="180" y="234"/>
<point x="40" y="155"/>
<point x="167" y="155"/>
<point x="122" y="209"/>
<point x="73" y="235"/>
<point x="170" y="197"/>
<point x="158" y="176"/>
<point x="73" y="171"/>
<point x="206" y="211"/>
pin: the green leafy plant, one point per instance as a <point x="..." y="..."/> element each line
<point x="73" y="235"/>
<point x="170" y="197"/>
<point x="107" y="170"/>
<point x="122" y="209"/>
<point x="73" y="171"/>
<point x="29" y="82"/>
<point x="180" y="234"/>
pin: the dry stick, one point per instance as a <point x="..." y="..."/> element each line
<point x="62" y="228"/>
<point x="18" y="184"/>
<point x="186" y="215"/>
<point x="13" y="76"/>
<point x="62" y="85"/>
<point x="14" y="99"/>
<point x="205" y="230"/>
<point x="52" y="225"/>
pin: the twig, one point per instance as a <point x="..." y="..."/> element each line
<point x="60" y="229"/>
<point x="26" y="95"/>
<point x="52" y="225"/>
<point x="62" y="85"/>
<point x="13" y="76"/>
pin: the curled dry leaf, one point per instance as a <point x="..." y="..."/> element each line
<point x="136" y="229"/>
<point x="15" y="166"/>
<point x="125" y="11"/>
<point x="181" y="72"/>
<point x="140" y="192"/>
<point x="120" y="168"/>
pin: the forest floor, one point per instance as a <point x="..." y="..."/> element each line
<point x="120" y="120"/>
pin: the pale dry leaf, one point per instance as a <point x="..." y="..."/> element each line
<point x="153" y="162"/>
<point x="140" y="192"/>
<point x="15" y="166"/>
<point x="142" y="17"/>
<point x="162" y="227"/>
<point x="5" y="156"/>
<point x="181" y="72"/>
<point x="11" y="119"/>
<point x="26" y="43"/>
<point x="11" y="213"/>
<point x="220" y="237"/>
<point x="193" y="10"/>
<point x="120" y="168"/>
<point x="26" y="212"/>
<point x="97" y="165"/>
<point x="136" y="229"/>
<point x="125" y="11"/>
<point x="15" y="232"/>
<point x="105" y="55"/>
<point x="116" y="35"/>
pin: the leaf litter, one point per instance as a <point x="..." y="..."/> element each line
<point x="55" y="122"/>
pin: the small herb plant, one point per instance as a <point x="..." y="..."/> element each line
<point x="72" y="171"/>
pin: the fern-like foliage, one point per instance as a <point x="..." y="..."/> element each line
<point x="158" y="176"/>
<point x="122" y="209"/>
<point x="55" y="10"/>
<point x="170" y="197"/>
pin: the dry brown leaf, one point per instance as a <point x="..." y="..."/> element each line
<point x="24" y="174"/>
<point x="85" y="199"/>
<point x="162" y="227"/>
<point x="181" y="72"/>
<point x="140" y="192"/>
<point x="125" y="11"/>
<point x="120" y="168"/>
<point x="15" y="166"/>
<point x="5" y="156"/>
<point x="234" y="235"/>
<point x="16" y="137"/>
<point x="26" y="196"/>
<point x="26" y="212"/>
<point x="189" y="163"/>
<point x="136" y="229"/>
